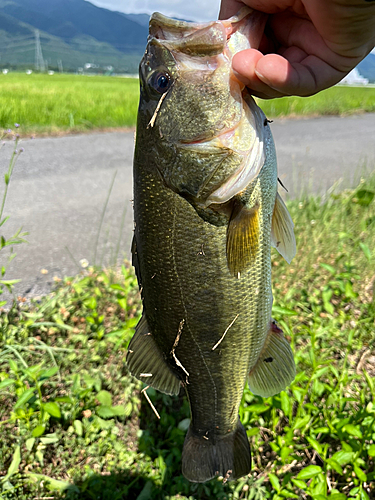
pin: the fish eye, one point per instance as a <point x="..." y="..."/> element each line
<point x="161" y="81"/>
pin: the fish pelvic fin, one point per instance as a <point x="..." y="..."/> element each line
<point x="242" y="237"/>
<point x="282" y="231"/>
<point x="205" y="458"/>
<point x="146" y="362"/>
<point x="275" y="368"/>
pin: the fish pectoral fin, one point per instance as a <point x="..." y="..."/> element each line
<point x="146" y="362"/>
<point x="206" y="457"/>
<point x="242" y="237"/>
<point x="282" y="231"/>
<point x="275" y="368"/>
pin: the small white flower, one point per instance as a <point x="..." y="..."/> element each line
<point x="84" y="263"/>
<point x="313" y="222"/>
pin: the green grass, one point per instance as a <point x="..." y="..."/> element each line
<point x="55" y="104"/>
<point x="339" y="100"/>
<point x="74" y="425"/>
<point x="67" y="103"/>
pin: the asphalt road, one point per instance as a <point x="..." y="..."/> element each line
<point x="60" y="187"/>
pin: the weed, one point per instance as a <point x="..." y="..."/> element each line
<point x="337" y="100"/>
<point x="73" y="424"/>
<point x="53" y="388"/>
<point x="18" y="237"/>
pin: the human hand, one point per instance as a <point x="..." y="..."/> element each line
<point x="307" y="46"/>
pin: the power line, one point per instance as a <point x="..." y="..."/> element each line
<point x="20" y="44"/>
<point x="19" y="50"/>
<point x="19" y="38"/>
<point x="118" y="46"/>
<point x="69" y="43"/>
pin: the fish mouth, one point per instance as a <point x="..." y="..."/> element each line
<point x="211" y="46"/>
<point x="187" y="36"/>
<point x="245" y="137"/>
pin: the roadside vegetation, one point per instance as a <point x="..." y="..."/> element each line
<point x="339" y="101"/>
<point x="66" y="103"/>
<point x="75" y="425"/>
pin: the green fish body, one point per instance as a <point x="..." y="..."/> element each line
<point x="206" y="213"/>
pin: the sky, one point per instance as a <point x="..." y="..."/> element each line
<point x="191" y="10"/>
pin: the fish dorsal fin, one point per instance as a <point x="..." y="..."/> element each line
<point x="275" y="368"/>
<point x="146" y="362"/>
<point x="242" y="237"/>
<point x="282" y="232"/>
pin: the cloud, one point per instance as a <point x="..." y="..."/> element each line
<point x="194" y="10"/>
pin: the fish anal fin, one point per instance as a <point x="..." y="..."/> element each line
<point x="275" y="368"/>
<point x="242" y="237"/>
<point x="146" y="362"/>
<point x="282" y="232"/>
<point x="206" y="457"/>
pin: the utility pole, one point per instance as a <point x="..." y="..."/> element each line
<point x="39" y="61"/>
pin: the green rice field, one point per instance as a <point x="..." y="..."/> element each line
<point x="55" y="104"/>
<point x="45" y="104"/>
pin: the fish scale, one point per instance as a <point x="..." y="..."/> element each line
<point x="203" y="266"/>
<point x="181" y="284"/>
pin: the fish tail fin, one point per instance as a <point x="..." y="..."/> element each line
<point x="275" y="368"/>
<point x="228" y="456"/>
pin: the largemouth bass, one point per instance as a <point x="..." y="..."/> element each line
<point x="206" y="212"/>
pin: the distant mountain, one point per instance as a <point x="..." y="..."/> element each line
<point x="78" y="33"/>
<point x="73" y="31"/>
<point x="367" y="68"/>
<point x="142" y="19"/>
<point x="71" y="18"/>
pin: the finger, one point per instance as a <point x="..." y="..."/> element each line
<point x="244" y="64"/>
<point x="302" y="78"/>
<point x="293" y="31"/>
<point x="293" y="54"/>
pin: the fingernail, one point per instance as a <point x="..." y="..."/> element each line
<point x="260" y="76"/>
<point x="240" y="77"/>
